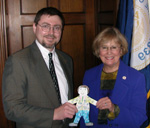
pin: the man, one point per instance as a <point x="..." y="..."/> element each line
<point x="30" y="96"/>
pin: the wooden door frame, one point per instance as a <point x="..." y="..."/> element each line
<point x="3" y="56"/>
<point x="3" y="36"/>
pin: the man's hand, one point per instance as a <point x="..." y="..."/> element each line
<point x="66" y="110"/>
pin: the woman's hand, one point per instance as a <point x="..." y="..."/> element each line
<point x="105" y="103"/>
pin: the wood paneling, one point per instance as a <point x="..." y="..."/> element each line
<point x="106" y="18"/>
<point x="73" y="44"/>
<point x="4" y="123"/>
<point x="71" y="5"/>
<point x="91" y="31"/>
<point x="16" y="19"/>
<point x="28" y="8"/>
<point x="107" y="13"/>
<point x="75" y="18"/>
<point x="110" y="5"/>
<point x="27" y="31"/>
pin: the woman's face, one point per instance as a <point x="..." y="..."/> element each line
<point x="110" y="54"/>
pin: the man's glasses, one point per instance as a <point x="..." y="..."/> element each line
<point x="112" y="48"/>
<point x="47" y="28"/>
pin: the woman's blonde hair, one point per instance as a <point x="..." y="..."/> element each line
<point x="107" y="35"/>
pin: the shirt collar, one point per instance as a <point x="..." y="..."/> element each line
<point x="45" y="51"/>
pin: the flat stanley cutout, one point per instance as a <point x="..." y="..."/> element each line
<point x="83" y="105"/>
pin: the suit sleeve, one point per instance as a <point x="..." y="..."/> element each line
<point x="14" y="93"/>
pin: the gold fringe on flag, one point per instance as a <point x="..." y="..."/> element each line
<point x="148" y="94"/>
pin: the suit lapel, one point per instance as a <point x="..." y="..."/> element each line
<point x="121" y="88"/>
<point x="43" y="75"/>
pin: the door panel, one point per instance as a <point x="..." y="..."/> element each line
<point x="27" y="35"/>
<point x="28" y="8"/>
<point x="73" y="44"/>
<point x="71" y="5"/>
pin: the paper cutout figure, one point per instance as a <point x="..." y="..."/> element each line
<point x="82" y="103"/>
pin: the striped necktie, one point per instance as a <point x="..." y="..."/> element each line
<point x="54" y="77"/>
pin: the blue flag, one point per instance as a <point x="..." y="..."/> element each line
<point x="125" y="24"/>
<point x="129" y="19"/>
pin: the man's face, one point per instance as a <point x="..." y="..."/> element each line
<point x="48" y="31"/>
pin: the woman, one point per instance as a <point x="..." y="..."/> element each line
<point x="119" y="89"/>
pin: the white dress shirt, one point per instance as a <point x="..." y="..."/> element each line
<point x="62" y="82"/>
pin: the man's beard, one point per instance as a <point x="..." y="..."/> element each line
<point x="49" y="46"/>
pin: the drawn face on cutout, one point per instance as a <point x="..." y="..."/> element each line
<point x="83" y="91"/>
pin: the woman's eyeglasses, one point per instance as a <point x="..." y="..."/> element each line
<point x="112" y="48"/>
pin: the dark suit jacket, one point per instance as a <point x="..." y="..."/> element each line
<point x="29" y="96"/>
<point x="129" y="94"/>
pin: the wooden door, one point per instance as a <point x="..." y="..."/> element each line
<point x="78" y="35"/>
<point x="107" y="13"/>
